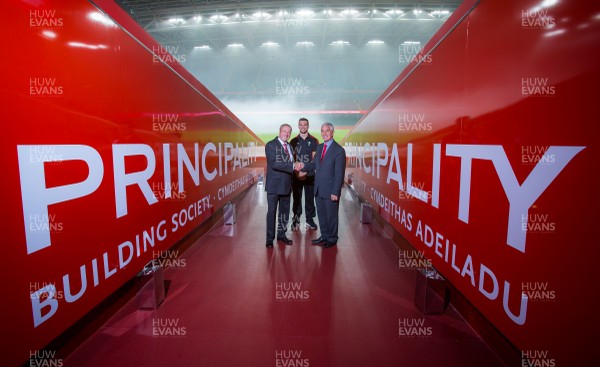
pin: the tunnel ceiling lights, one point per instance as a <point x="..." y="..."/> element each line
<point x="305" y="13"/>
<point x="306" y="43"/>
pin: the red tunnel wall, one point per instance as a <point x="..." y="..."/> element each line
<point x="497" y="120"/>
<point x="87" y="104"/>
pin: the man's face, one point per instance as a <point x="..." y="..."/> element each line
<point x="326" y="133"/>
<point x="284" y="133"/>
<point x="303" y="126"/>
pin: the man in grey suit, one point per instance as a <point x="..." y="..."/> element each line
<point x="329" y="167"/>
<point x="280" y="167"/>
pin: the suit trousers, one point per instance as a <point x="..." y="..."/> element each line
<point x="309" y="198"/>
<point x="273" y="202"/>
<point x="327" y="211"/>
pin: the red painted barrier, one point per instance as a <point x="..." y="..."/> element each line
<point x="112" y="153"/>
<point x="481" y="154"/>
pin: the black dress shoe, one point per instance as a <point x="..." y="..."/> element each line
<point x="328" y="244"/>
<point x="269" y="243"/>
<point x="311" y="225"/>
<point x="285" y="240"/>
<point x="318" y="240"/>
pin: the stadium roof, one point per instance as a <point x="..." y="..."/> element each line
<point x="216" y="24"/>
<point x="273" y="61"/>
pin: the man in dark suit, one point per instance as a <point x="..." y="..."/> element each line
<point x="280" y="167"/>
<point x="329" y="167"/>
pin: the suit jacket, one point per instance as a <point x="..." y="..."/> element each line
<point x="279" y="169"/>
<point x="329" y="173"/>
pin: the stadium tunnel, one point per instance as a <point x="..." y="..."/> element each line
<point x="134" y="200"/>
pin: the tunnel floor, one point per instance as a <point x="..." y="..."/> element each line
<point x="230" y="301"/>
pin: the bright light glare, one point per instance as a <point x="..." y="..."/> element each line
<point x="548" y="3"/>
<point x="100" y="18"/>
<point x="218" y="17"/>
<point x="85" y="45"/>
<point x="554" y="33"/>
<point x="49" y="34"/>
<point x="305" y="13"/>
<point x="542" y="5"/>
<point x="394" y="12"/>
<point x="349" y="12"/>
<point x="261" y="14"/>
